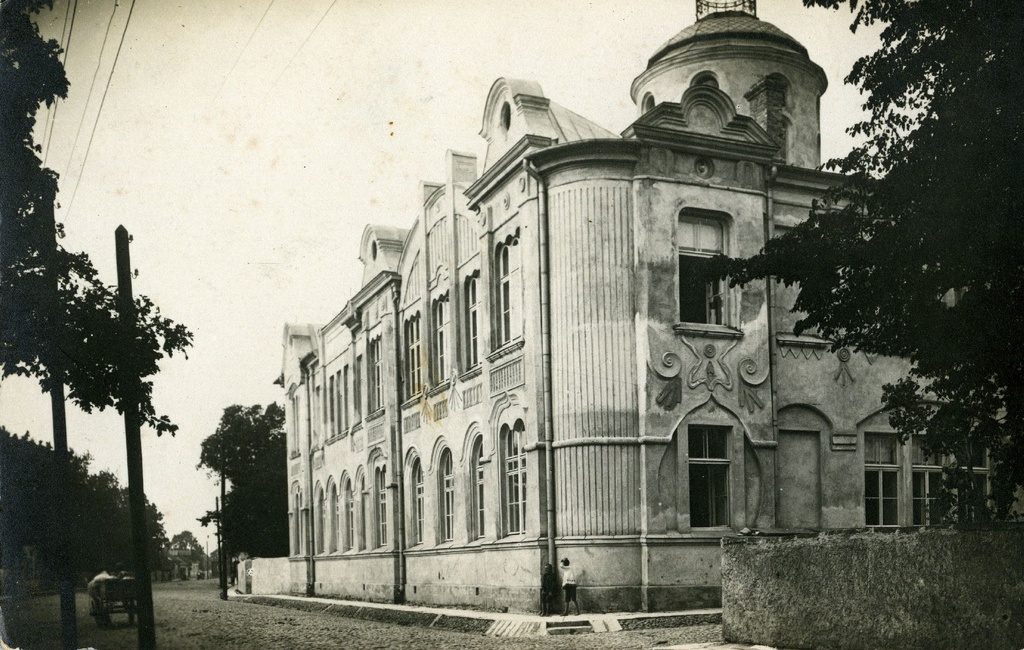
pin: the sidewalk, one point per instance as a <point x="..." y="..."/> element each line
<point x="496" y="624"/>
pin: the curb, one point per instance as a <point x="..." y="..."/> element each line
<point x="498" y="626"/>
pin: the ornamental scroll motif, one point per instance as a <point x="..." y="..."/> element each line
<point x="668" y="367"/>
<point x="748" y="397"/>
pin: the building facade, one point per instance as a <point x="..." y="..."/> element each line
<point x="537" y="370"/>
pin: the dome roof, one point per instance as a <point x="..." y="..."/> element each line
<point x="727" y="24"/>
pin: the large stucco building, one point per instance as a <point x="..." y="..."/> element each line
<point x="534" y="369"/>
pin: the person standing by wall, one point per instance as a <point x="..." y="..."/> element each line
<point x="569" y="586"/>
<point x="548" y="587"/>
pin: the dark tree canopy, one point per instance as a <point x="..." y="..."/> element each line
<point x="919" y="254"/>
<point x="101" y="529"/>
<point x="78" y="331"/>
<point x="250" y="449"/>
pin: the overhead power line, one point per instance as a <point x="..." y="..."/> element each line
<point x="65" y="36"/>
<point x="92" y="85"/>
<point x="99" y="113"/>
<point x="308" y="36"/>
<point x="244" y="48"/>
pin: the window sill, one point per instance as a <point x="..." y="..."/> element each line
<point x="506" y="349"/>
<point x="709" y="330"/>
<point x="376" y="415"/>
<point x="295" y="454"/>
<point x="413" y="401"/>
<point x="334" y="439"/>
<point x="440" y="388"/>
<point x="472" y="373"/>
<point x="806" y="341"/>
<point x="356" y="427"/>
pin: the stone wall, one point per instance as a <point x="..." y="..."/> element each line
<point x="271" y="575"/>
<point x="935" y="589"/>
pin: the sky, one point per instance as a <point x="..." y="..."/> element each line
<point x="246" y="144"/>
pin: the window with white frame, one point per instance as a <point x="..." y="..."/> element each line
<point x="477" y="480"/>
<point x="439" y="316"/>
<point x="357" y="390"/>
<point x="514" y="458"/>
<point x="446" y="496"/>
<point x="375" y="370"/>
<point x="344" y="397"/>
<point x="417" y="503"/>
<point x="472" y="324"/>
<point x="332" y="544"/>
<point x="881" y="480"/>
<point x="364" y="523"/>
<point x="296" y="520"/>
<point x="708" y="450"/>
<point x="926" y="481"/>
<point x="506" y="286"/>
<point x="320" y="521"/>
<point x="381" y="489"/>
<point x="332" y="429"/>
<point x="350" y="518"/>
<point x="413" y="358"/>
<point x="701" y="298"/>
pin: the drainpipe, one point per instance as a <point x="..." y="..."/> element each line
<point x="399" y="461"/>
<point x="311" y="532"/>
<point x="545" y="343"/>
<point x="773" y="346"/>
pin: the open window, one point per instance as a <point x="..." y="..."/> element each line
<point x="701" y="297"/>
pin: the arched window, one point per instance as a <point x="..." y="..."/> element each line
<point x="417" y="503"/>
<point x="321" y="519"/>
<point x="477" y="481"/>
<point x="648" y="103"/>
<point x="446" y="496"/>
<point x="472" y="311"/>
<point x="706" y="78"/>
<point x="515" y="477"/>
<point x="350" y="518"/>
<point x="332" y="545"/>
<point x="381" y="489"/>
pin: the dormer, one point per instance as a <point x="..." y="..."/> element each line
<point x="380" y="250"/>
<point x="516" y="109"/>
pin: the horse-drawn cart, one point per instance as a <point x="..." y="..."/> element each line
<point x="112" y="595"/>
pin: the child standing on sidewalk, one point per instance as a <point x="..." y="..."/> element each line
<point x="569" y="587"/>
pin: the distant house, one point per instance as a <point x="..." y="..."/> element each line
<point x="536" y="369"/>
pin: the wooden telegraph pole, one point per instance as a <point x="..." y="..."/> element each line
<point x="130" y="392"/>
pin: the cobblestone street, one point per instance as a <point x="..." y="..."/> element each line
<point x="190" y="615"/>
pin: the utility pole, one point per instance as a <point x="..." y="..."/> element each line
<point x="221" y="563"/>
<point x="130" y="393"/>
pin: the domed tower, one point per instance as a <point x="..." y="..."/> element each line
<point x="766" y="72"/>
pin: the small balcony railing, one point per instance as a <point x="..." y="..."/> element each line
<point x="708" y="7"/>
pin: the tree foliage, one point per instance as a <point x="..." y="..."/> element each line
<point x="100" y="534"/>
<point x="78" y="330"/>
<point x="249" y="449"/>
<point x="918" y="253"/>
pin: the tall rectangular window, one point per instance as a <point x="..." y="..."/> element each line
<point x="413" y="358"/>
<point x="350" y="518"/>
<point x="881" y="480"/>
<point x="472" y="310"/>
<point x="447" y="497"/>
<point x="515" y="477"/>
<point x="478" y="492"/>
<point x="317" y="413"/>
<point x="339" y="400"/>
<point x="417" y="515"/>
<point x="295" y="424"/>
<point x="504" y="320"/>
<point x="332" y="422"/>
<point x="357" y="390"/>
<point x="375" y="372"/>
<point x="709" y="475"/>
<point x="926" y="480"/>
<point x="701" y="298"/>
<point x="440" y="325"/>
<point x="382" y="507"/>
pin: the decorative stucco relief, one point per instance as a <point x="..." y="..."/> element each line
<point x="748" y="395"/>
<point x="843" y="375"/>
<point x="709" y="368"/>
